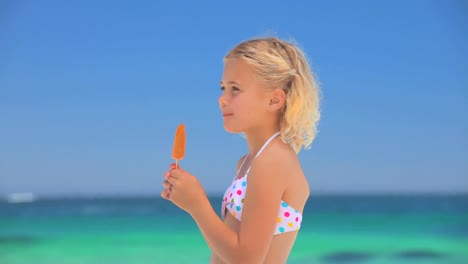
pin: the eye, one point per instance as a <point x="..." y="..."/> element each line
<point x="233" y="89"/>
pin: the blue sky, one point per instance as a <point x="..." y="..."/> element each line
<point x="91" y="93"/>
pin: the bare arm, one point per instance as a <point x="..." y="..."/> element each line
<point x="214" y="258"/>
<point x="260" y="209"/>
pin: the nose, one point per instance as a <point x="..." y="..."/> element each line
<point x="222" y="101"/>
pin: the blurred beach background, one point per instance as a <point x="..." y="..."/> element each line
<point x="336" y="229"/>
<point x="91" y="93"/>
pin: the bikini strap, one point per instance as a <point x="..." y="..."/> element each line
<point x="262" y="148"/>
<point x="266" y="143"/>
<point x="240" y="167"/>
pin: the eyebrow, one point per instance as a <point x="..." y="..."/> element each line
<point x="230" y="82"/>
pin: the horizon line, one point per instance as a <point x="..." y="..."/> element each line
<point x="39" y="196"/>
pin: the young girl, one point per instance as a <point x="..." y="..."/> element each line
<point x="268" y="93"/>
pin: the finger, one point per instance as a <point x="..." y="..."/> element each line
<point x="166" y="194"/>
<point x="167" y="174"/>
<point x="173" y="166"/>
<point x="178" y="173"/>
<point x="172" y="180"/>
<point x="175" y="173"/>
<point x="166" y="184"/>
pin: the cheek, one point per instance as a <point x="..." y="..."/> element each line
<point x="241" y="107"/>
<point x="247" y="110"/>
<point x="252" y="107"/>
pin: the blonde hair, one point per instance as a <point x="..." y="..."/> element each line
<point x="282" y="65"/>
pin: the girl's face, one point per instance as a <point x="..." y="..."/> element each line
<point x="243" y="99"/>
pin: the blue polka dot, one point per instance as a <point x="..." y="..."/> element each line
<point x="296" y="211"/>
<point x="232" y="205"/>
<point x="234" y="186"/>
<point x="244" y="183"/>
<point x="238" y="208"/>
<point x="284" y="204"/>
<point x="281" y="229"/>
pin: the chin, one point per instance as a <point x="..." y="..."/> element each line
<point x="232" y="129"/>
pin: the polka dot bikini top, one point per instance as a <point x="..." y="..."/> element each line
<point x="288" y="219"/>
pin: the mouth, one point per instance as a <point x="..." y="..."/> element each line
<point x="226" y="115"/>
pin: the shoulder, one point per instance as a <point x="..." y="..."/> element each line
<point x="279" y="156"/>
<point x="275" y="164"/>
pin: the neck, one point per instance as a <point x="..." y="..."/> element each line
<point x="257" y="138"/>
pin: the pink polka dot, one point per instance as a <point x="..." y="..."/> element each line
<point x="297" y="218"/>
<point x="225" y="199"/>
<point x="239" y="192"/>
<point x="286" y="214"/>
<point x="230" y="195"/>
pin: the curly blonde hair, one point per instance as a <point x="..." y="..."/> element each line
<point x="283" y="65"/>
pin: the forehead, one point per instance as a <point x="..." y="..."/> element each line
<point x="237" y="70"/>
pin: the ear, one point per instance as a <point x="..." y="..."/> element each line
<point x="277" y="100"/>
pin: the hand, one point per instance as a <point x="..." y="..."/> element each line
<point x="183" y="189"/>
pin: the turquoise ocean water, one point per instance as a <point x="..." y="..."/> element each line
<point x="336" y="229"/>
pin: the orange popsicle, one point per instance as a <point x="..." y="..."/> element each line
<point x="178" y="150"/>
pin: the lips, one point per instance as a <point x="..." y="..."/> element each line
<point x="226" y="115"/>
